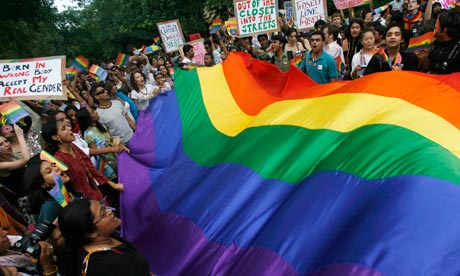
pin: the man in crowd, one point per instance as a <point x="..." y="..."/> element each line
<point x="188" y="54"/>
<point x="280" y="58"/>
<point x="319" y="65"/>
<point x="210" y="48"/>
<point x="113" y="115"/>
<point x="331" y="34"/>
<point x="444" y="54"/>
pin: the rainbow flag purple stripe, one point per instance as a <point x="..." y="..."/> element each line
<point x="98" y="73"/>
<point x="122" y="60"/>
<point x="275" y="182"/>
<point x="215" y="26"/>
<point x="81" y="63"/>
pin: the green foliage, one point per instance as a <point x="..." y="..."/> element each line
<point x="102" y="28"/>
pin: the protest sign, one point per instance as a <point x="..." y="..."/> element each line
<point x="33" y="79"/>
<point x="256" y="16"/>
<point x="307" y="12"/>
<point x="345" y="4"/>
<point x="198" y="49"/>
<point x="171" y="35"/>
<point x="447" y="4"/>
<point x="289" y="14"/>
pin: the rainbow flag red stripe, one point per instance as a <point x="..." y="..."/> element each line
<point x="81" y="63"/>
<point x="59" y="191"/>
<point x="98" y="72"/>
<point x="13" y="112"/>
<point x="297" y="60"/>
<point x="156" y="40"/>
<point x="122" y="59"/>
<point x="215" y="26"/>
<point x="340" y="64"/>
<point x="419" y="43"/>
<point x="70" y="72"/>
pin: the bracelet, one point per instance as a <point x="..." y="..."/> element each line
<point x="54" y="272"/>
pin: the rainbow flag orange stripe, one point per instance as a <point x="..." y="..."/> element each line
<point x="81" y="63"/>
<point x="46" y="156"/>
<point x="122" y="59"/>
<point x="419" y="43"/>
<point x="59" y="191"/>
<point x="97" y="72"/>
<point x="13" y="112"/>
<point x="70" y="72"/>
<point x="215" y="26"/>
<point x="297" y="60"/>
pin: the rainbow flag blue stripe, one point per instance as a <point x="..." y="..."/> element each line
<point x="262" y="183"/>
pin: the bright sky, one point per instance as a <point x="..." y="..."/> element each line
<point x="64" y="4"/>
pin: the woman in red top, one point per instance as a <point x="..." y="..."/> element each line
<point x="58" y="135"/>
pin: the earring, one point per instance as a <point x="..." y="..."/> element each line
<point x="59" y="140"/>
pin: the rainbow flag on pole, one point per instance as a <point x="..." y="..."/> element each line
<point x="13" y="112"/>
<point x="122" y="60"/>
<point x="46" y="156"/>
<point x="81" y="63"/>
<point x="296" y="178"/>
<point x="59" y="191"/>
<point x="215" y="26"/>
<point x="231" y="26"/>
<point x="98" y="73"/>
<point x="297" y="60"/>
<point x="70" y="72"/>
<point x="381" y="9"/>
<point x="419" y="43"/>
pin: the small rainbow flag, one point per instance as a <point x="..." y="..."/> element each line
<point x="381" y="9"/>
<point x="81" y="63"/>
<point x="43" y="103"/>
<point x="171" y="72"/>
<point x="151" y="49"/>
<point x="13" y="112"/>
<point x="70" y="95"/>
<point x="419" y="43"/>
<point x="215" y="26"/>
<point x="59" y="192"/>
<point x="156" y="40"/>
<point x="98" y="73"/>
<point x="291" y="22"/>
<point x="46" y="156"/>
<point x="100" y="164"/>
<point x="340" y="65"/>
<point x="122" y="59"/>
<point x="297" y="60"/>
<point x="231" y="26"/>
<point x="70" y="72"/>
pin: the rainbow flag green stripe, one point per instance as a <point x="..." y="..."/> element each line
<point x="393" y="150"/>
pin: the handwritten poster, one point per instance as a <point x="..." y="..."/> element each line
<point x="256" y="16"/>
<point x="345" y="4"/>
<point x="171" y="35"/>
<point x="198" y="49"/>
<point x="34" y="79"/>
<point x="307" y="12"/>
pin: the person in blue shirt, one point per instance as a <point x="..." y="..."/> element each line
<point x="317" y="64"/>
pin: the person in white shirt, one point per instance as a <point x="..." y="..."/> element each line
<point x="331" y="33"/>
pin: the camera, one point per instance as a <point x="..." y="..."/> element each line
<point x="29" y="244"/>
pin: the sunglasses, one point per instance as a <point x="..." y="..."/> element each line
<point x="101" y="92"/>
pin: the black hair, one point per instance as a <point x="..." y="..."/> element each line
<point x="133" y="82"/>
<point x="262" y="36"/>
<point x="450" y="20"/>
<point x="167" y="70"/>
<point x="320" y="23"/>
<point x="280" y="38"/>
<point x="33" y="181"/>
<point x="75" y="223"/>
<point x="333" y="30"/>
<point x="379" y="28"/>
<point x="319" y="33"/>
<point x="186" y="48"/>
<point x="290" y="31"/>
<point x="396" y="17"/>
<point x="358" y="21"/>
<point x="392" y="25"/>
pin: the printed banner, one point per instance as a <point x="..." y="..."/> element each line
<point x="289" y="14"/>
<point x="307" y="12"/>
<point x="171" y="35"/>
<point x="256" y="16"/>
<point x="33" y="79"/>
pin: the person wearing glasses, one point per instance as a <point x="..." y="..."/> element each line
<point x="92" y="246"/>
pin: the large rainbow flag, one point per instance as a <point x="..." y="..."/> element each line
<point x="268" y="173"/>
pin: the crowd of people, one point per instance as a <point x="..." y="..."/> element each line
<point x="84" y="134"/>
